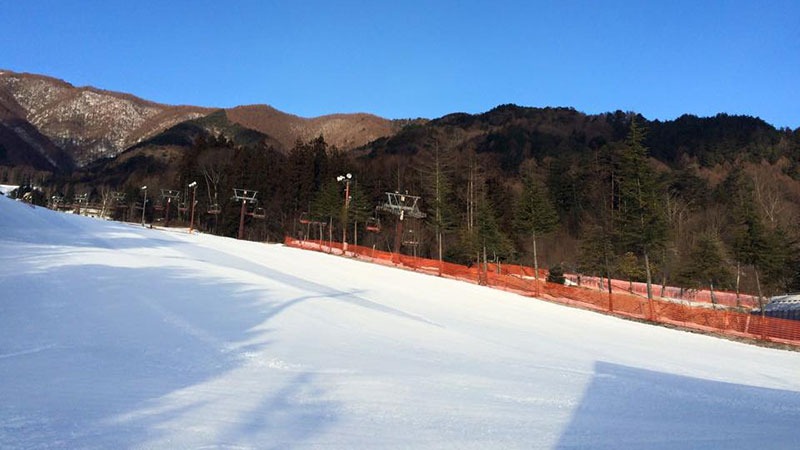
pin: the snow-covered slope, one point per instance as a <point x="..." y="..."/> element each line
<point x="114" y="336"/>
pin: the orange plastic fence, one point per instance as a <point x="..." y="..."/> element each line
<point x="701" y="296"/>
<point x="520" y="279"/>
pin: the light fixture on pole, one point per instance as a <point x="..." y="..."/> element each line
<point x="193" y="186"/>
<point x="346" y="180"/>
<point x="144" y="203"/>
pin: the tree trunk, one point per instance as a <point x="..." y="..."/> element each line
<point x="485" y="265"/>
<point x="608" y="277"/>
<point x="711" y="287"/>
<point x="535" y="260"/>
<point x="649" y="285"/>
<point x="760" y="295"/>
<point x="440" y="253"/>
<point x="738" y="277"/>
<point x="664" y="276"/>
<point x="478" y="264"/>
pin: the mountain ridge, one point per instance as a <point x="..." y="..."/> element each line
<point x="90" y="123"/>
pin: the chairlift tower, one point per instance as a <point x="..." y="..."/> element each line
<point x="168" y="195"/>
<point x="119" y="201"/>
<point x="78" y="200"/>
<point x="402" y="205"/>
<point x="245" y="196"/>
<point x="56" y="201"/>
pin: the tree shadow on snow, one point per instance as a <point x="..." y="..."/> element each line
<point x="630" y="408"/>
<point x="135" y="356"/>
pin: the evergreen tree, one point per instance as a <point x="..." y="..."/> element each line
<point x="434" y="165"/>
<point x="535" y="214"/>
<point x="327" y="205"/>
<point x="776" y="264"/>
<point x="598" y="252"/>
<point x="706" y="264"/>
<point x="358" y="210"/>
<point x="485" y="237"/>
<point x="630" y="267"/>
<point x="750" y="245"/>
<point x="640" y="223"/>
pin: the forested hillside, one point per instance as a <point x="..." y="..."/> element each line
<point x="696" y="202"/>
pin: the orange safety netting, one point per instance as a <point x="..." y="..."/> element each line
<point x="521" y="280"/>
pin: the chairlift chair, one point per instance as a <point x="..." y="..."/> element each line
<point x="182" y="207"/>
<point x="410" y="238"/>
<point x="159" y="206"/>
<point x="214" y="209"/>
<point x="373" y="225"/>
<point x="304" y="218"/>
<point x="259" y="213"/>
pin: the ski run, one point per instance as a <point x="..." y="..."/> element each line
<point x="117" y="336"/>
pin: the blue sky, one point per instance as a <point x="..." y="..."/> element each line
<point x="422" y="59"/>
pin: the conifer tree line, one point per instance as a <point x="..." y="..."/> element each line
<point x="616" y="208"/>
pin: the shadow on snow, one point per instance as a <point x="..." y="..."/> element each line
<point x="630" y="408"/>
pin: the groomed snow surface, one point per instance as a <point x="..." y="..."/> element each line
<point x="115" y="336"/>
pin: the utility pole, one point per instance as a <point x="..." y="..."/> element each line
<point x="192" y="185"/>
<point x="346" y="180"/>
<point x="144" y="203"/>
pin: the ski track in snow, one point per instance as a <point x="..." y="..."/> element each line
<point x="115" y="336"/>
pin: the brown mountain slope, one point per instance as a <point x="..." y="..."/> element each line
<point x="22" y="144"/>
<point x="346" y="131"/>
<point x="90" y="123"/>
<point x="86" y="122"/>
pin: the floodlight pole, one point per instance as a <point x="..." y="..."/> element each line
<point x="192" y="185"/>
<point x="144" y="203"/>
<point x="346" y="180"/>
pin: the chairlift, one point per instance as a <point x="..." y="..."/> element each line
<point x="374" y="225"/>
<point x="410" y="238"/>
<point x="159" y="206"/>
<point x="214" y="209"/>
<point x="304" y="218"/>
<point x="182" y="207"/>
<point x="259" y="213"/>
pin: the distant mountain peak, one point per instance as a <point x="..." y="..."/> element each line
<point x="89" y="123"/>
